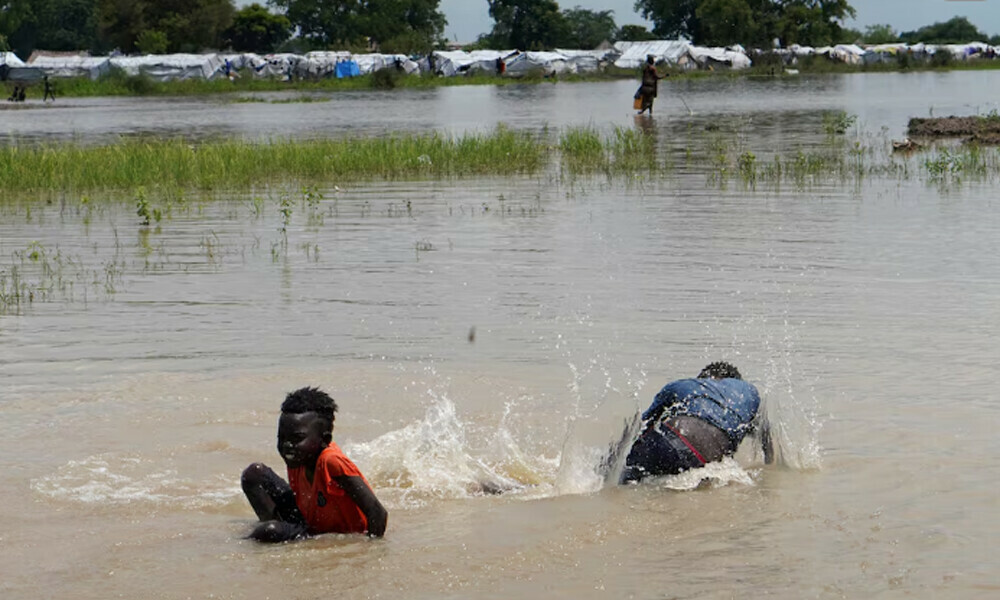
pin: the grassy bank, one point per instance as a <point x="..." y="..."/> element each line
<point x="237" y="164"/>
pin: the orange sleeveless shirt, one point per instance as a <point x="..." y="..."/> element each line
<point x="325" y="505"/>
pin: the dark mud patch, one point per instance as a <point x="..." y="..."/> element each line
<point x="983" y="130"/>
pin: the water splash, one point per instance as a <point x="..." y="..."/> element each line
<point x="433" y="459"/>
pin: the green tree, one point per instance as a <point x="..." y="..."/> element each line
<point x="16" y="17"/>
<point x="119" y="23"/>
<point x="152" y="41"/>
<point x="255" y="29"/>
<point x="55" y="25"/>
<point x="403" y="26"/>
<point x="588" y="28"/>
<point x="672" y="19"/>
<point x="634" y="33"/>
<point x="726" y="22"/>
<point x="957" y="30"/>
<point x="190" y="25"/>
<point x="748" y="22"/>
<point x="527" y="24"/>
<point x="851" y="36"/>
<point x="346" y="23"/>
<point x="325" y="24"/>
<point x="879" y="34"/>
<point x="14" y="13"/>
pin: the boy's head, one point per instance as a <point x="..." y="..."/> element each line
<point x="310" y="399"/>
<point x="720" y="370"/>
<point x="305" y="427"/>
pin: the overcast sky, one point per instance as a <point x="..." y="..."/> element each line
<point x="469" y="18"/>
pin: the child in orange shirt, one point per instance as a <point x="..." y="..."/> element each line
<point x="325" y="493"/>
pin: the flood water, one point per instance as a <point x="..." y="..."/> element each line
<point x="504" y="330"/>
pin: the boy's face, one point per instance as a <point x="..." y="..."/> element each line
<point x="301" y="438"/>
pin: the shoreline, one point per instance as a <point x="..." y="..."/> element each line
<point x="119" y="84"/>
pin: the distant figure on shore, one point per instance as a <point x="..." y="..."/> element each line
<point x="325" y="492"/>
<point x="20" y="95"/>
<point x="49" y="93"/>
<point x="13" y="95"/>
<point x="501" y="66"/>
<point x="647" y="91"/>
<point x="693" y="422"/>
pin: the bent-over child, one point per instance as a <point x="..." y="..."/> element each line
<point x="325" y="492"/>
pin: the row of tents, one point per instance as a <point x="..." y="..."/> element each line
<point x="512" y="63"/>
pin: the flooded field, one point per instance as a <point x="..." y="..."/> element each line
<point x="503" y="330"/>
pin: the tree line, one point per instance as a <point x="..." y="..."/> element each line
<point x="417" y="26"/>
<point x="958" y="30"/>
<point x="160" y="26"/>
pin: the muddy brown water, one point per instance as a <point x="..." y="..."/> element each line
<point x="149" y="372"/>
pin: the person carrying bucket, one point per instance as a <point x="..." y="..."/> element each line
<point x="647" y="91"/>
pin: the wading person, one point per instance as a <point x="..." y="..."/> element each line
<point x="647" y="91"/>
<point x="692" y="422"/>
<point x="325" y="493"/>
<point x="49" y="93"/>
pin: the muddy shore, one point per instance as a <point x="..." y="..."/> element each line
<point x="984" y="130"/>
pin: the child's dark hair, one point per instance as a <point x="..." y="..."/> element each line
<point x="720" y="370"/>
<point x="310" y="399"/>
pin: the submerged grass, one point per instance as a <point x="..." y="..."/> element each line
<point x="147" y="168"/>
<point x="234" y="164"/>
<point x="238" y="164"/>
<point x="585" y="150"/>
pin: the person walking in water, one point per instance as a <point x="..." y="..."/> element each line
<point x="49" y="93"/>
<point x="647" y="91"/>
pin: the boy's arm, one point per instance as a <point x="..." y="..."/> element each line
<point x="363" y="496"/>
<point x="765" y="440"/>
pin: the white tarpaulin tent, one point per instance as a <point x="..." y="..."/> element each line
<point x="964" y="51"/>
<point x="164" y="67"/>
<point x="847" y="53"/>
<point x="587" y="61"/>
<point x="673" y="52"/>
<point x="72" y="66"/>
<point x="369" y="63"/>
<point x="454" y="62"/>
<point x="546" y="63"/>
<point x="321" y="63"/>
<point x="9" y="59"/>
<point x="13" y="68"/>
<point x="733" y="57"/>
<point x="274" y="65"/>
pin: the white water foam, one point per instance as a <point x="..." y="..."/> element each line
<point x="116" y="480"/>
<point x="433" y="459"/>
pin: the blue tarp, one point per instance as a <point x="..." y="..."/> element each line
<point x="347" y="68"/>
